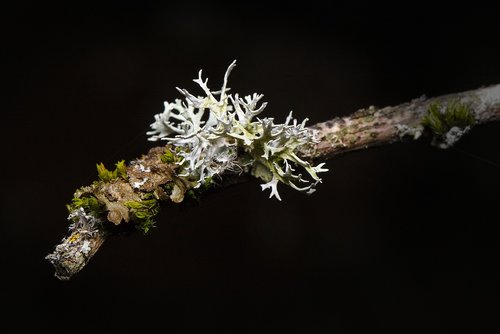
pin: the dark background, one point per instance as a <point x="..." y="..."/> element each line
<point x="402" y="238"/>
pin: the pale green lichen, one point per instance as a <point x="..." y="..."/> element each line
<point x="229" y="138"/>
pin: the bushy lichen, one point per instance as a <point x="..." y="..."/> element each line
<point x="230" y="138"/>
<point x="202" y="145"/>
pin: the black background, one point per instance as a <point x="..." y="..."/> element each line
<point x="402" y="238"/>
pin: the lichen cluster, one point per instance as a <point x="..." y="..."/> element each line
<point x="206" y="137"/>
<point x="221" y="133"/>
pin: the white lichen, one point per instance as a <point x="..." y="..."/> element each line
<point x="488" y="96"/>
<point x="85" y="249"/>
<point x="139" y="184"/>
<point x="220" y="133"/>
<point x="404" y="130"/>
<point x="143" y="169"/>
<point x="451" y="137"/>
<point x="77" y="247"/>
<point x="85" y="223"/>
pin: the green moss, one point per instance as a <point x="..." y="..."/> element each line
<point x="106" y="175"/>
<point x="455" y="114"/>
<point x="89" y="203"/>
<point x="121" y="169"/>
<point x="168" y="187"/>
<point x="168" y="157"/>
<point x="207" y="183"/>
<point x="191" y="194"/>
<point x="195" y="193"/>
<point x="144" y="212"/>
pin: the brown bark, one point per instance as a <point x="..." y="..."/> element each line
<point x="373" y="126"/>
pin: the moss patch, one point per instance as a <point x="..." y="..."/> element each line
<point x="168" y="157"/>
<point x="89" y="203"/>
<point x="143" y="213"/>
<point x="132" y="194"/>
<point x="106" y="175"/>
<point x="440" y="120"/>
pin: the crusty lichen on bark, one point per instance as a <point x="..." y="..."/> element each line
<point x="75" y="250"/>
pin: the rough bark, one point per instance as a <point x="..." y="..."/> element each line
<point x="378" y="126"/>
<point x="75" y="250"/>
<point x="365" y="128"/>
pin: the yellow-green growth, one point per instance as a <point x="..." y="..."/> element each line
<point x="169" y="157"/>
<point x="88" y="203"/>
<point x="196" y="193"/>
<point x="144" y="213"/>
<point x="107" y="175"/>
<point x="455" y="114"/>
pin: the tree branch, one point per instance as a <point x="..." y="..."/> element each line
<point x="374" y="127"/>
<point x="447" y="118"/>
